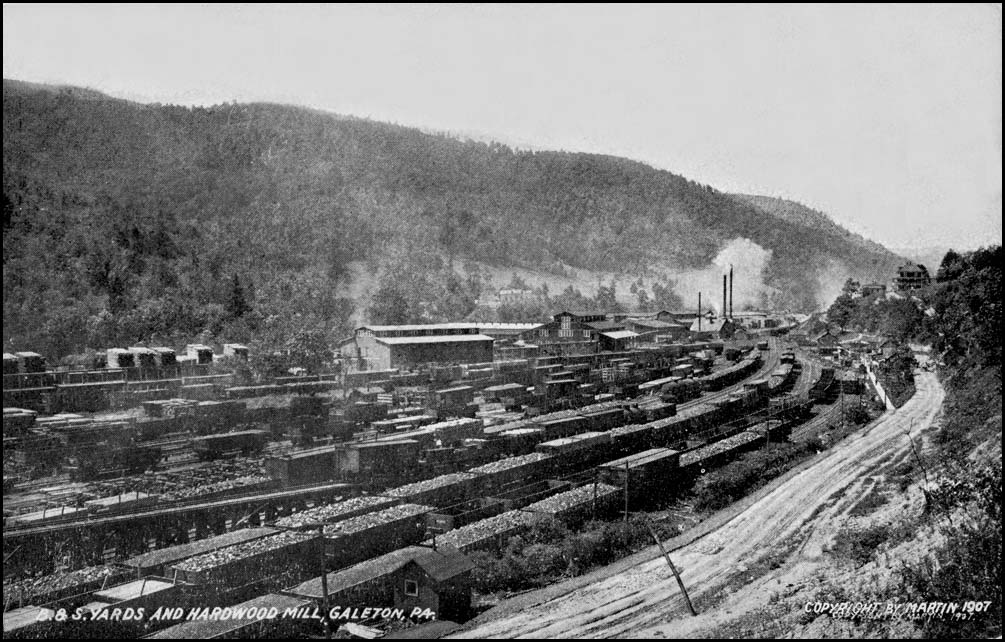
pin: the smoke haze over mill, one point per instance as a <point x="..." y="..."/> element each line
<point x="749" y="261"/>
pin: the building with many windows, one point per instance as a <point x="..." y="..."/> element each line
<point x="911" y="276"/>
<point x="566" y="333"/>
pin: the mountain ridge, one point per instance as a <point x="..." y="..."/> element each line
<point x="151" y="216"/>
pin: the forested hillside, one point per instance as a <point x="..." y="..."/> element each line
<point x="810" y="218"/>
<point x="126" y="222"/>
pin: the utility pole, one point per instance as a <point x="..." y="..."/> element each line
<point x="626" y="491"/>
<point x="767" y="427"/>
<point x="841" y="394"/>
<point x="596" y="473"/>
<point x="324" y="589"/>
<point x="673" y="569"/>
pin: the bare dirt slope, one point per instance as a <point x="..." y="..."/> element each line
<point x="787" y="529"/>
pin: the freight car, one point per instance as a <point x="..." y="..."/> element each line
<point x="357" y="539"/>
<point x="101" y="462"/>
<point x="563" y="426"/>
<point x="364" y="412"/>
<point x="448" y="401"/>
<point x="681" y="390"/>
<point x="789" y="407"/>
<point x="510" y="471"/>
<point x="824" y="388"/>
<point x="291" y="554"/>
<point x="58" y="586"/>
<point x="518" y="441"/>
<point x="781" y="378"/>
<point x="509" y="394"/>
<point x="728" y="376"/>
<point x="456" y="430"/>
<point x="332" y="513"/>
<point x="157" y="562"/>
<point x="578" y="505"/>
<point x="646" y="476"/>
<point x="439" y="491"/>
<point x="487" y="534"/>
<point x="578" y="451"/>
<point x="245" y="442"/>
<point x="720" y="451"/>
<point x="303" y="467"/>
<point x="379" y="460"/>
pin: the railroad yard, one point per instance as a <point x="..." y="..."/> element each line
<point x="248" y="491"/>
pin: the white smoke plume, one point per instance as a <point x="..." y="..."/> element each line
<point x="749" y="260"/>
<point x="830" y="282"/>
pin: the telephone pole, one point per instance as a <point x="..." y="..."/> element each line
<point x="673" y="569"/>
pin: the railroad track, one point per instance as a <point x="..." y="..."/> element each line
<point x="180" y="457"/>
<point x="177" y="508"/>
<point x="182" y="506"/>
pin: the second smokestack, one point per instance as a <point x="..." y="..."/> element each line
<point x="723" y="296"/>
<point x="730" y="291"/>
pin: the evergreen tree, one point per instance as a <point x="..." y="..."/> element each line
<point x="237" y="301"/>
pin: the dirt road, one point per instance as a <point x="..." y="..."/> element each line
<point x="792" y="523"/>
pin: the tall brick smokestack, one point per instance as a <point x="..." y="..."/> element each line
<point x="731" y="291"/>
<point x="699" y="312"/>
<point x="723" y="296"/>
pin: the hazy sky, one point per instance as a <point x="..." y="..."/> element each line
<point x="888" y="118"/>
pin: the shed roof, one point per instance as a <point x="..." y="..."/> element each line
<point x="444" y="338"/>
<point x="132" y="590"/>
<point x="654" y="324"/>
<point x="24" y="617"/>
<point x="417" y="327"/>
<point x="508" y="326"/>
<point x="619" y="334"/>
<point x="709" y="326"/>
<point x="441" y="564"/>
<point x="582" y="313"/>
<point x="642" y="458"/>
<point x="605" y="325"/>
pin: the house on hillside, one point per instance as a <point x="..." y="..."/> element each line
<point x="826" y="342"/>
<point x="873" y="289"/>
<point x="513" y="296"/>
<point x="912" y="276"/>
